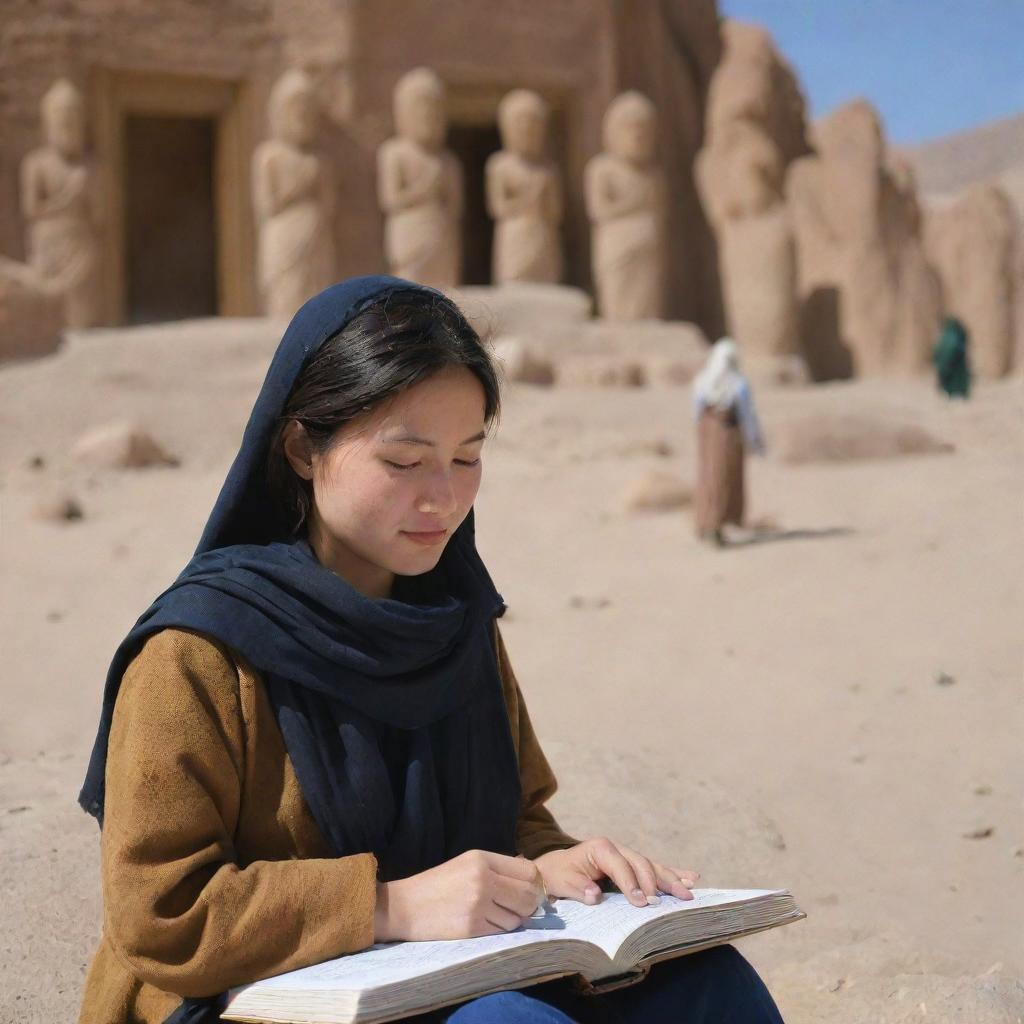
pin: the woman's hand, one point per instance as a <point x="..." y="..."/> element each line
<point x="574" y="873"/>
<point x="476" y="893"/>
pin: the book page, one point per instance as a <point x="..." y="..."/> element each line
<point x="387" y="963"/>
<point x="605" y="925"/>
<point x="609" y="923"/>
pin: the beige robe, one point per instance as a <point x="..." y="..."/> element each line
<point x="718" y="498"/>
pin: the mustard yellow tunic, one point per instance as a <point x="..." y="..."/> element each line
<point x="214" y="871"/>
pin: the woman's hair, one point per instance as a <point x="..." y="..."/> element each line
<point x="395" y="342"/>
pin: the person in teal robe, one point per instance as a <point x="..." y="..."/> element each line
<point x="950" y="358"/>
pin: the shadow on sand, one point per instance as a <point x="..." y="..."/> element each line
<point x="771" y="536"/>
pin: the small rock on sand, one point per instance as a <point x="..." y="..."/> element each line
<point x="822" y="438"/>
<point x="589" y="601"/>
<point x="657" y="492"/>
<point x="121" y="445"/>
<point x="58" y="507"/>
<point x="982" y="832"/>
<point x="600" y="371"/>
<point x="521" y="364"/>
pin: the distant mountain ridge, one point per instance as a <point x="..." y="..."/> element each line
<point x="990" y="152"/>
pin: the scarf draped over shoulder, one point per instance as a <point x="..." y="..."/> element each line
<point x="391" y="710"/>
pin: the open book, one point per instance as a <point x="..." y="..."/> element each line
<point x="608" y="944"/>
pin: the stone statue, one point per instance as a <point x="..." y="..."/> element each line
<point x="919" y="310"/>
<point x="58" y="201"/>
<point x="419" y="185"/>
<point x="740" y="174"/>
<point x="524" y="194"/>
<point x="870" y="302"/>
<point x="293" y="197"/>
<point x="970" y="243"/>
<point x="625" y="197"/>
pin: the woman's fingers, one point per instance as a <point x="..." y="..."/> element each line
<point x="575" y="885"/>
<point x="501" y="919"/>
<point x="593" y="860"/>
<point x="519" y="869"/>
<point x="646" y="873"/>
<point x="652" y="876"/>
<point x="609" y="860"/>
<point x="515" y="867"/>
<point x="688" y="877"/>
<point x="515" y="895"/>
<point x="676" y="883"/>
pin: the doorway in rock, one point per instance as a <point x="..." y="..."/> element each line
<point x="473" y="144"/>
<point x="170" y="219"/>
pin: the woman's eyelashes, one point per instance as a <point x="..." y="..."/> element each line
<point x="412" y="465"/>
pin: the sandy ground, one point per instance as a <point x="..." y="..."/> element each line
<point x="771" y="714"/>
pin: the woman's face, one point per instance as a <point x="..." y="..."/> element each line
<point x="396" y="483"/>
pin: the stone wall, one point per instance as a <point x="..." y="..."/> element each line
<point x="577" y="53"/>
<point x="971" y="243"/>
<point x="46" y="39"/>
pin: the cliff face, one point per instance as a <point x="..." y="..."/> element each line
<point x="754" y="129"/>
<point x="972" y="187"/>
<point x="578" y="54"/>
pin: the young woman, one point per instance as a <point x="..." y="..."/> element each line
<point x="313" y="740"/>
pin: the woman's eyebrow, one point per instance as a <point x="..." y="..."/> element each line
<point x="412" y="439"/>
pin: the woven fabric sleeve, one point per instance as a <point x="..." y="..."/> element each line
<point x="179" y="909"/>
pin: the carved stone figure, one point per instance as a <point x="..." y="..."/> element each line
<point x="524" y="194"/>
<point x="58" y="202"/>
<point x="419" y="185"/>
<point x="754" y="116"/>
<point x="294" y="201"/>
<point x="625" y="197"/>
<point x="971" y="245"/>
<point x="870" y="302"/>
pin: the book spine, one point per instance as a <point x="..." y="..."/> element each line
<point x="585" y="987"/>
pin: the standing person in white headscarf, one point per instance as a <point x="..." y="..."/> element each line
<point x="727" y="425"/>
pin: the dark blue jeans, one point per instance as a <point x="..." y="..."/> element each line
<point x="716" y="986"/>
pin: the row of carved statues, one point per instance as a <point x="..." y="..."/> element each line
<point x="822" y="252"/>
<point x="420" y="190"/>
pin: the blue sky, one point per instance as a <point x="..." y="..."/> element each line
<point x="931" y="67"/>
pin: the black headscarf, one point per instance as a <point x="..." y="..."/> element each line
<point x="391" y="711"/>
